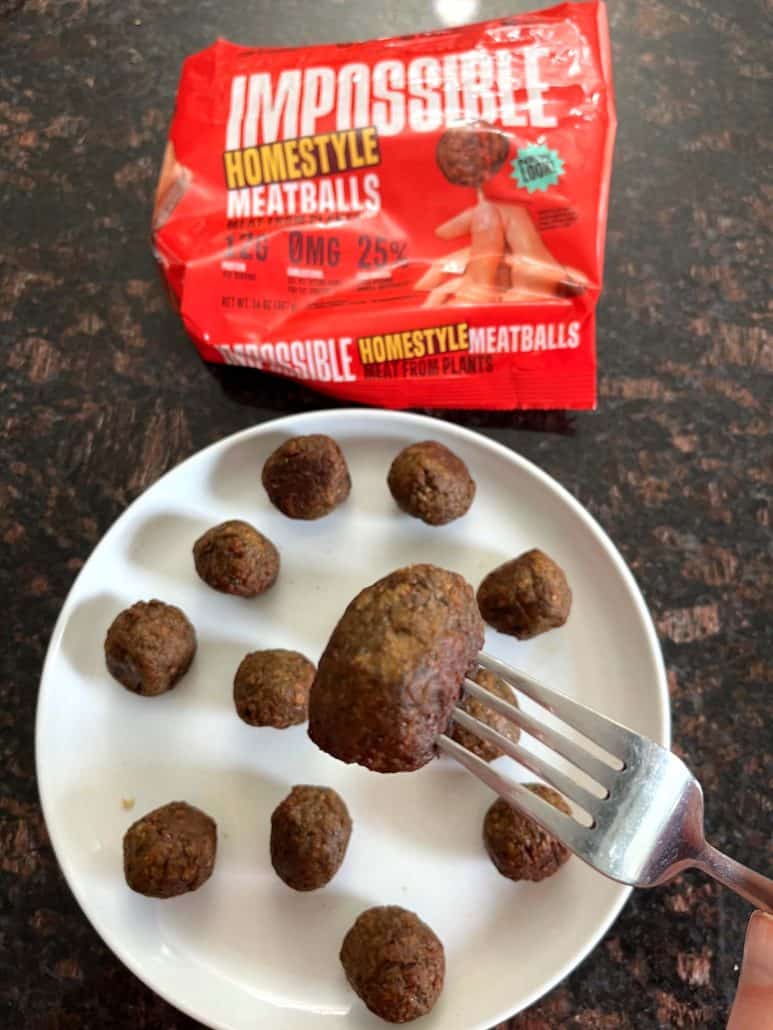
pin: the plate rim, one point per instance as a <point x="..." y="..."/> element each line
<point x="371" y="415"/>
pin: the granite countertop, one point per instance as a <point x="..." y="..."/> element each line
<point x="101" y="392"/>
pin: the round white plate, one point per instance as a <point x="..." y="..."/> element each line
<point x="245" y="951"/>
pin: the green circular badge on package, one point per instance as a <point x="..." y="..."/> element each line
<point x="537" y="167"/>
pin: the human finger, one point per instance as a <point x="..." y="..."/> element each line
<point x="442" y="294"/>
<point x="753" y="1005"/>
<point x="451" y="264"/>
<point x="522" y="295"/>
<point x="543" y="281"/>
<point x="487" y="246"/>
<point x="533" y="267"/>
<point x="459" y="225"/>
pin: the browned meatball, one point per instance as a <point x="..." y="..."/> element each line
<point x="149" y="647"/>
<point x="394" y="962"/>
<point x="518" y="847"/>
<point x="271" y="688"/>
<point x="307" y="477"/>
<point x="393" y="669"/>
<point x="526" y="596"/>
<point x="310" y="833"/>
<point x="236" y="559"/>
<point x="480" y="711"/>
<point x="431" y="483"/>
<point x="170" y="851"/>
<point x="468" y="155"/>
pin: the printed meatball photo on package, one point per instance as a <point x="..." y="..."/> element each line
<point x="416" y="221"/>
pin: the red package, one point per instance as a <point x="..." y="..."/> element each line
<point x="406" y="222"/>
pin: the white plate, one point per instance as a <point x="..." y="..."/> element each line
<point x="245" y="951"/>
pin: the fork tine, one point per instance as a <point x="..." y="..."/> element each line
<point x="574" y="753"/>
<point x="571" y="788"/>
<point x="562" y="826"/>
<point x="614" y="738"/>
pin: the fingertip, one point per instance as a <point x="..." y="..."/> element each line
<point x="485" y="218"/>
<point x="569" y="287"/>
<point x="753" y="1005"/>
<point x="758" y="949"/>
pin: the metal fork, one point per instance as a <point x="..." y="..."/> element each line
<point x="646" y="821"/>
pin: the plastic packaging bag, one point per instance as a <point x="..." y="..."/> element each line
<point x="415" y="221"/>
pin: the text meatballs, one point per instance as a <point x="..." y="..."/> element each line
<point x="393" y="669"/>
<point x="170" y="851"/>
<point x="518" y="847"/>
<point x="310" y="833"/>
<point x="431" y="483"/>
<point x="271" y="688"/>
<point x="307" y="477"/>
<point x="526" y="596"/>
<point x="235" y="558"/>
<point x="149" y="647"/>
<point x="394" y="962"/>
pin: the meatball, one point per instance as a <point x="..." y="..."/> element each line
<point x="431" y="483"/>
<point x="480" y="711"/>
<point x="468" y="155"/>
<point x="271" y="688"/>
<point x="236" y="559"/>
<point x="310" y="833"/>
<point x="170" y="851"/>
<point x="526" y="596"/>
<point x="518" y="847"/>
<point x="149" y="647"/>
<point x="307" y="477"/>
<point x="393" y="669"/>
<point x="394" y="962"/>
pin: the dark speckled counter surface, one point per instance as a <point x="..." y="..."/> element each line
<point x="101" y="393"/>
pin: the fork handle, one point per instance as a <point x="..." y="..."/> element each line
<point x="754" y="887"/>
